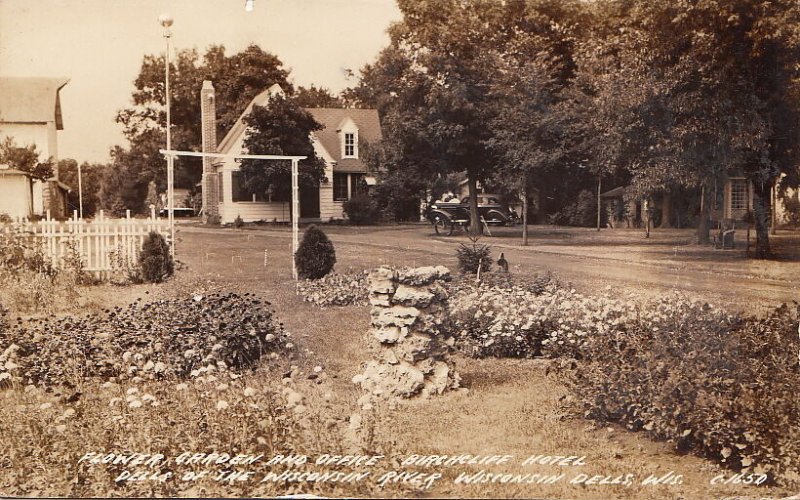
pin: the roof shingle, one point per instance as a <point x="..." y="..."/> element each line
<point x="369" y="130"/>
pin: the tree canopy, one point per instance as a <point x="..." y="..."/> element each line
<point x="668" y="96"/>
<point x="237" y="79"/>
<point x="280" y="128"/>
<point x="25" y="159"/>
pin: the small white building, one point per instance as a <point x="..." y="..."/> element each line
<point x="338" y="144"/>
<point x="16" y="193"/>
<point x="30" y="113"/>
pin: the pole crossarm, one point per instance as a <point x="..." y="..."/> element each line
<point x="167" y="152"/>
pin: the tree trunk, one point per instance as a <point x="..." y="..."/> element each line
<point x="666" y="211"/>
<point x="773" y="221"/>
<point x="525" y="214"/>
<point x="476" y="228"/>
<point x="761" y="214"/>
<point x="702" y="226"/>
<point x="599" y="205"/>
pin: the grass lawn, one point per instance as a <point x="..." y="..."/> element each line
<point x="513" y="407"/>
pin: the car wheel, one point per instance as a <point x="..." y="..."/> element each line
<point x="440" y="226"/>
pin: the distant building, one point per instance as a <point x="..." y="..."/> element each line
<point x="339" y="144"/>
<point x="30" y="113"/>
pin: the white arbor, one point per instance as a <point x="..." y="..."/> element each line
<point x="170" y="154"/>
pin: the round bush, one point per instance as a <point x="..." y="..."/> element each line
<point x="315" y="256"/>
<point x="361" y="210"/>
<point x="155" y="260"/>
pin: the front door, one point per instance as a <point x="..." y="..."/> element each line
<point x="309" y="202"/>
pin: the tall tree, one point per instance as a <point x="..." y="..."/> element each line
<point x="280" y="128"/>
<point x="527" y="132"/>
<point x="237" y="79"/>
<point x="431" y="84"/>
<point x="724" y="86"/>
<point x="91" y="179"/>
<point x="317" y="97"/>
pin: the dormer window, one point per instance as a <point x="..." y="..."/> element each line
<point x="348" y="138"/>
<point x="349" y="145"/>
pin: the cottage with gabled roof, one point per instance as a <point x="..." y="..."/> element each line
<point x="30" y="113"/>
<point x="339" y="143"/>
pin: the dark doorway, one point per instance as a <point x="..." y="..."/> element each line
<point x="309" y="202"/>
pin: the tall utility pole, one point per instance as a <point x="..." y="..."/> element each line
<point x="166" y="21"/>
<point x="80" y="192"/>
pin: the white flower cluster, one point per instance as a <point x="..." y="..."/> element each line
<point x="555" y="321"/>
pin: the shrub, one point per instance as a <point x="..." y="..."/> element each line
<point x="31" y="283"/>
<point x="718" y="384"/>
<point x="238" y="222"/>
<point x="792" y="206"/>
<point x="20" y="251"/>
<point x="361" y="209"/>
<point x="155" y="260"/>
<point x="472" y="257"/>
<point x="582" y="212"/>
<point x="398" y="197"/>
<point x="315" y="256"/>
<point x="723" y="386"/>
<point x="542" y="317"/>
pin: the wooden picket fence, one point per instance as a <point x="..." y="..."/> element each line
<point x="103" y="244"/>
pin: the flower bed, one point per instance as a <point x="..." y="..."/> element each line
<point x="722" y="385"/>
<point x="336" y="290"/>
<point x="182" y="337"/>
<point x="718" y="384"/>
<point x="501" y="317"/>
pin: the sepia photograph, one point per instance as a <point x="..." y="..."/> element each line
<point x="542" y="249"/>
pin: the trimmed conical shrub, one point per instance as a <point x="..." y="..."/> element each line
<point x="155" y="261"/>
<point x="315" y="256"/>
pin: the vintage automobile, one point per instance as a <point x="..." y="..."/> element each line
<point x="177" y="211"/>
<point x="446" y="216"/>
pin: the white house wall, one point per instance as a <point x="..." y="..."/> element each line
<point x="38" y="198"/>
<point x="43" y="135"/>
<point x="249" y="211"/>
<point x="329" y="209"/>
<point x="272" y="211"/>
<point x="15" y="196"/>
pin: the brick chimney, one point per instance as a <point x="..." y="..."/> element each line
<point x="208" y="117"/>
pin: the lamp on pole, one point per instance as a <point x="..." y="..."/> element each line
<point x="166" y="21"/>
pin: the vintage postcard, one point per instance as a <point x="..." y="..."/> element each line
<point x="400" y="249"/>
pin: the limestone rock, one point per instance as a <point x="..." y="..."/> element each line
<point x="411" y="296"/>
<point x="422" y="275"/>
<point x="387" y="334"/>
<point x="379" y="299"/>
<point x="395" y="316"/>
<point x="409" y="316"/>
